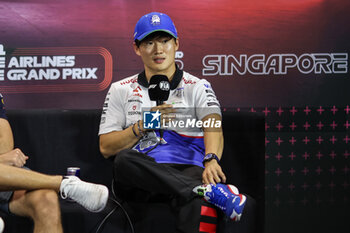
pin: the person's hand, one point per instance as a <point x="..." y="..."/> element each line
<point x="213" y="173"/>
<point x="14" y="158"/>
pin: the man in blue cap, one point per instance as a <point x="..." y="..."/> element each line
<point x="180" y="164"/>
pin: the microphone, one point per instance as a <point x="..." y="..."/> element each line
<point x="159" y="90"/>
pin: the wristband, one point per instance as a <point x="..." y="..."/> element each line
<point x="133" y="130"/>
<point x="139" y="128"/>
<point x="210" y="156"/>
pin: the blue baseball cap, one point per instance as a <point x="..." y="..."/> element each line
<point x="153" y="22"/>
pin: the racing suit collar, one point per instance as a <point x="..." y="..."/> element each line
<point x="142" y="80"/>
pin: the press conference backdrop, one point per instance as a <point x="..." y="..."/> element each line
<point x="287" y="59"/>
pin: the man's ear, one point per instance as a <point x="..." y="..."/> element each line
<point x="177" y="44"/>
<point x="136" y="49"/>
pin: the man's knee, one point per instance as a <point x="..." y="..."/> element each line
<point x="125" y="158"/>
<point x="121" y="158"/>
<point x="44" y="203"/>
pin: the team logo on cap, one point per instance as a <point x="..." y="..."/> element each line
<point x="155" y="20"/>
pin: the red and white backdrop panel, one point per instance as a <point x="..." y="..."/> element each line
<point x="286" y="59"/>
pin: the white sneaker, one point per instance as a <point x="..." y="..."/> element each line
<point x="91" y="196"/>
<point x="2" y="225"/>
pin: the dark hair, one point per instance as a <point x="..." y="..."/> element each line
<point x="152" y="36"/>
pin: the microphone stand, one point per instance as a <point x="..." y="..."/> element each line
<point x="161" y="131"/>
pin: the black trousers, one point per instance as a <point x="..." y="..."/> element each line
<point x="138" y="178"/>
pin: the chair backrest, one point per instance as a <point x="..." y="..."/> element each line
<point x="57" y="139"/>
